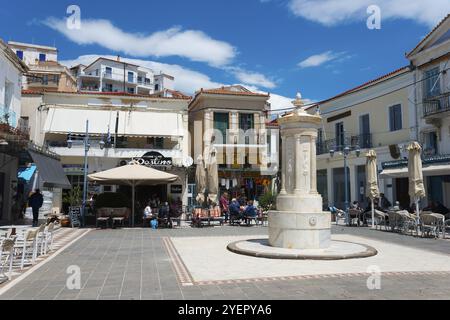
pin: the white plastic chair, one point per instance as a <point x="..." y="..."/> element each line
<point x="26" y="246"/>
<point x="40" y="241"/>
<point x="48" y="238"/>
<point x="7" y="255"/>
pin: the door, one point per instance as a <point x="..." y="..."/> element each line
<point x="339" y="136"/>
<point x="361" y="186"/>
<point x="402" y="192"/>
<point x="339" y="187"/>
<point x="364" y="130"/>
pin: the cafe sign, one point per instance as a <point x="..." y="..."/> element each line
<point x="153" y="159"/>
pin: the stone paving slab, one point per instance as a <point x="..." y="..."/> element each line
<point x="207" y="259"/>
<point x="114" y="256"/>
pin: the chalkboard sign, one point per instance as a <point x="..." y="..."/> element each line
<point x="176" y="188"/>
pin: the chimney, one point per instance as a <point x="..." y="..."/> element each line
<point x="118" y="58"/>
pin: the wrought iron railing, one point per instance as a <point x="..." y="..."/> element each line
<point x="363" y="141"/>
<point x="436" y="104"/>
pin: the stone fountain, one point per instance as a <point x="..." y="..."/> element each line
<point x="299" y="222"/>
<point x="299" y="228"/>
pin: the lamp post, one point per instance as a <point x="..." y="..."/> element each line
<point x="346" y="150"/>
<point x="87" y="146"/>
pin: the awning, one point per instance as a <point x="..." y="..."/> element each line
<point x="130" y="123"/>
<point x="50" y="171"/>
<point x="26" y="173"/>
<point x="432" y="170"/>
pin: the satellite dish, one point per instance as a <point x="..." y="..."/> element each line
<point x="188" y="161"/>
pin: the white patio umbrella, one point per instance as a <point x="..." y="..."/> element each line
<point x="213" y="176"/>
<point x="416" y="186"/>
<point x="200" y="180"/>
<point x="372" y="180"/>
<point x="133" y="175"/>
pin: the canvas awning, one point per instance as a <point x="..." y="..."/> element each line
<point x="432" y="170"/>
<point x="26" y="173"/>
<point x="50" y="171"/>
<point x="138" y="123"/>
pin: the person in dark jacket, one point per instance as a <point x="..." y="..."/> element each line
<point x="235" y="210"/>
<point x="36" y="201"/>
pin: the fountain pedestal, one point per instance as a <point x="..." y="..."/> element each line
<point x="299" y="221"/>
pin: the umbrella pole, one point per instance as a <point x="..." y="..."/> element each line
<point x="373" y="215"/>
<point x="418" y="215"/>
<point x="133" y="186"/>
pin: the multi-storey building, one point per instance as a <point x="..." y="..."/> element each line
<point x="376" y="115"/>
<point x="107" y="75"/>
<point x="233" y="120"/>
<point x="122" y="128"/>
<point x="430" y="61"/>
<point x="45" y="73"/>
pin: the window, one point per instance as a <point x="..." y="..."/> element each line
<point x="108" y="72"/>
<point x="42" y="57"/>
<point x="147" y="81"/>
<point x="395" y="118"/>
<point x="246" y="121"/>
<point x="156" y="87"/>
<point x="221" y="123"/>
<point x="130" y="77"/>
<point x="45" y="80"/>
<point x="432" y="86"/>
<point x="130" y="90"/>
<point x="339" y="135"/>
<point x="431" y="143"/>
<point x="19" y="54"/>
<point x="108" y="87"/>
<point x="139" y="79"/>
<point x="156" y="143"/>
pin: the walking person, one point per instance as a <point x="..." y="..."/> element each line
<point x="36" y="201"/>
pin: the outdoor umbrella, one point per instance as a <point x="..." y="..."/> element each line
<point x="200" y="180"/>
<point x="132" y="175"/>
<point x="213" y="176"/>
<point x="416" y="187"/>
<point x="372" y="180"/>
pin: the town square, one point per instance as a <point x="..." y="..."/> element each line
<point x="174" y="156"/>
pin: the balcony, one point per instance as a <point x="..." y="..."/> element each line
<point x="120" y="78"/>
<point x="363" y="141"/>
<point x="434" y="107"/>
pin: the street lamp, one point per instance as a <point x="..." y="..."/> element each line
<point x="346" y="150"/>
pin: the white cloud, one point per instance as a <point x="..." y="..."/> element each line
<point x="192" y="44"/>
<point x="319" y="59"/>
<point x="251" y="78"/>
<point x="334" y="12"/>
<point x="186" y="80"/>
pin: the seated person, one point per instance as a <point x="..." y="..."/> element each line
<point x="235" y="210"/>
<point x="164" y="215"/>
<point x="250" y="210"/>
<point x="148" y="211"/>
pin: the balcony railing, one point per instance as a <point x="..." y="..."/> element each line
<point x="436" y="104"/>
<point x="363" y="141"/>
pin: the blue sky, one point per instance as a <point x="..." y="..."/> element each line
<point x="318" y="47"/>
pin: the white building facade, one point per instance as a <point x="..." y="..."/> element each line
<point x="122" y="128"/>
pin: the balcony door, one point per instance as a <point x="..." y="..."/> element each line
<point x="340" y="135"/>
<point x="364" y="131"/>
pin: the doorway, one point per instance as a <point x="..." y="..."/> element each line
<point x="402" y="192"/>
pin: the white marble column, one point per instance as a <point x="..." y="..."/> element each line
<point x="298" y="164"/>
<point x="313" y="166"/>
<point x="284" y="165"/>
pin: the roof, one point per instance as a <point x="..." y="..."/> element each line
<point x="116" y="61"/>
<point x="428" y="36"/>
<point x="164" y="75"/>
<point x="174" y="93"/>
<point x="365" y="85"/>
<point x="236" y="90"/>
<point x="29" y="45"/>
<point x="11" y="56"/>
<point x="116" y="94"/>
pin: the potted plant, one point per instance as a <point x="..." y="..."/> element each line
<point x="74" y="199"/>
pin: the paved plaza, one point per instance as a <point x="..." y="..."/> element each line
<point x="187" y="263"/>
